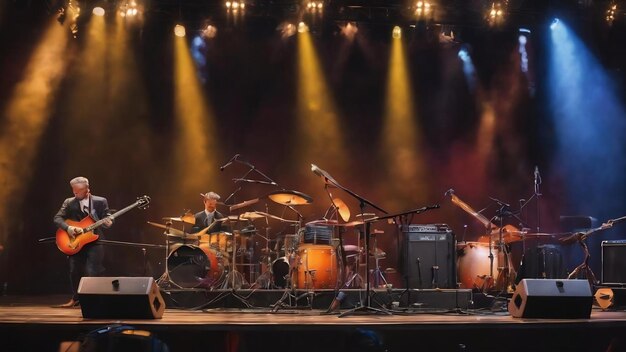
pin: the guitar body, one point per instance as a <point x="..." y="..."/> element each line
<point x="64" y="240"/>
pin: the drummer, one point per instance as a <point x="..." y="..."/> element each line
<point x="209" y="215"/>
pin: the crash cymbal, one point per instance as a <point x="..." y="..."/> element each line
<point x="251" y="215"/>
<point x="366" y="216"/>
<point x="287" y="197"/>
<point x="171" y="231"/>
<point x="186" y="218"/>
<point x="342" y="208"/>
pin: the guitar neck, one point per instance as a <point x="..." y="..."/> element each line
<point x="121" y="212"/>
<point x="456" y="200"/>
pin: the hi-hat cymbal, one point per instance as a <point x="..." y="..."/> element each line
<point x="186" y="218"/>
<point x="287" y="197"/>
<point x="251" y="215"/>
<point x="171" y="231"/>
<point x="342" y="208"/>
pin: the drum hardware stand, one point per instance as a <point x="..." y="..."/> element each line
<point x="580" y="237"/>
<point x="377" y="273"/>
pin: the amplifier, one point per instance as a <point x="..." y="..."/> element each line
<point x="614" y="262"/>
<point x="429" y="256"/>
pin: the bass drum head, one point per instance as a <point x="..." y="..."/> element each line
<point x="280" y="272"/>
<point x="191" y="266"/>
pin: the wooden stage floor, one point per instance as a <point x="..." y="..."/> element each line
<point x="30" y="323"/>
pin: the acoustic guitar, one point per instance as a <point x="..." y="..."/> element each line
<point x="71" y="245"/>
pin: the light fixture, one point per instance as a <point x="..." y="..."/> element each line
<point x="302" y="27"/>
<point x="179" y="30"/>
<point x="98" y="11"/>
<point x="397" y="32"/>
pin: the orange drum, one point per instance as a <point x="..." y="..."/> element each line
<point x="195" y="266"/>
<point x="473" y="265"/>
<point x="219" y="241"/>
<point x="317" y="267"/>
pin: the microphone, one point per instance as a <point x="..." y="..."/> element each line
<point x="537" y="176"/>
<point x="450" y="191"/>
<point x="229" y="162"/>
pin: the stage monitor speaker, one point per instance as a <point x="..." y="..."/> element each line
<point x="613" y="262"/>
<point x="120" y="297"/>
<point x="429" y="256"/>
<point x="548" y="298"/>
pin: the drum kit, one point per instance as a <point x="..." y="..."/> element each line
<point x="306" y="259"/>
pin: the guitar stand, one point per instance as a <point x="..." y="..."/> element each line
<point x="584" y="266"/>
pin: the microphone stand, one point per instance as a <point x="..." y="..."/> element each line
<point x="362" y="204"/>
<point x="367" y="307"/>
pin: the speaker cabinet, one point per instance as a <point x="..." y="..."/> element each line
<point x="120" y="297"/>
<point x="429" y="256"/>
<point x="613" y="262"/>
<point x="547" y="298"/>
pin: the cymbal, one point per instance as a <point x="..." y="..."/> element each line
<point x="233" y="218"/>
<point x="342" y="208"/>
<point x="366" y="216"/>
<point x="186" y="218"/>
<point x="251" y="215"/>
<point x="287" y="197"/>
<point x="186" y="236"/>
<point x="172" y="231"/>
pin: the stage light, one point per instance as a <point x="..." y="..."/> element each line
<point x="397" y="32"/>
<point x="128" y="9"/>
<point x="496" y="13"/>
<point x="554" y="24"/>
<point x="302" y="27"/>
<point x="287" y="29"/>
<point x="235" y="5"/>
<point x="210" y="32"/>
<point x="350" y="30"/>
<point x="98" y="11"/>
<point x="228" y="4"/>
<point x="179" y="30"/>
<point x="422" y="8"/>
<point x="610" y="13"/>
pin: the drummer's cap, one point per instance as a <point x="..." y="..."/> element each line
<point x="211" y="195"/>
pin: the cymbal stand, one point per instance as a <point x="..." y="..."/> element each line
<point x="377" y="274"/>
<point x="164" y="280"/>
<point x="367" y="305"/>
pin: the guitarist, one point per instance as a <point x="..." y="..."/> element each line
<point x="87" y="262"/>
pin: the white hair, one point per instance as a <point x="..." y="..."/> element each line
<point x="79" y="180"/>
<point x="211" y="195"/>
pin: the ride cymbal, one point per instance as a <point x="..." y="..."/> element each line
<point x="287" y="197"/>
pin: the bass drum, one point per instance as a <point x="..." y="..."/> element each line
<point x="473" y="265"/>
<point x="191" y="266"/>
<point x="280" y="272"/>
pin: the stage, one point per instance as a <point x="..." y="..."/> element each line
<point x="31" y="324"/>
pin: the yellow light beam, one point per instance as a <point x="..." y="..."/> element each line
<point x="400" y="136"/>
<point x="195" y="147"/>
<point x="319" y="139"/>
<point x="26" y="115"/>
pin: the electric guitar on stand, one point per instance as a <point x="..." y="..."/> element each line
<point x="71" y="245"/>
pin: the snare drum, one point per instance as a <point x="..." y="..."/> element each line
<point x="191" y="266"/>
<point x="316" y="267"/>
